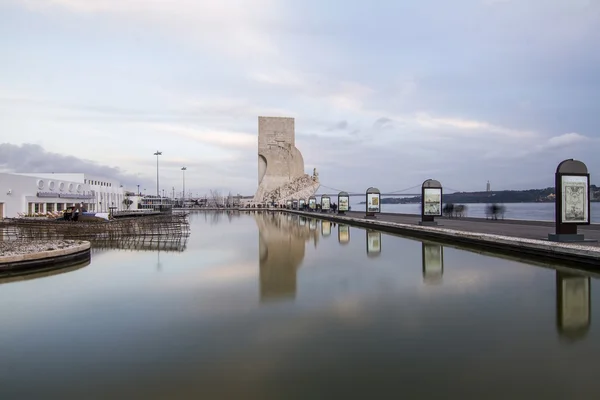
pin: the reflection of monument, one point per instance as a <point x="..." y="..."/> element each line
<point x="433" y="262"/>
<point x="281" y="248"/>
<point x="281" y="174"/>
<point x="573" y="305"/>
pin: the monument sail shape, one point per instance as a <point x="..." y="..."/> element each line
<point x="281" y="174"/>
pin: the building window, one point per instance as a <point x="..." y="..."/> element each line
<point x="50" y="207"/>
<point x="59" y="206"/>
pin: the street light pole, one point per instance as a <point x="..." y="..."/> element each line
<point x="138" y="189"/>
<point x="158" y="153"/>
<point x="183" y="169"/>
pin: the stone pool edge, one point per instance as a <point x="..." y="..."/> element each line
<point x="580" y="255"/>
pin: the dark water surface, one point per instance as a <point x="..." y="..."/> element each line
<point x="274" y="306"/>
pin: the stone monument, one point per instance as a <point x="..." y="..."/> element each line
<point x="281" y="174"/>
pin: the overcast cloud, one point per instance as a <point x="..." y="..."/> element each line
<point x="384" y="93"/>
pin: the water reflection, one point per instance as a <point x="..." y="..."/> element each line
<point x="343" y="234"/>
<point x="281" y="251"/>
<point x="215" y="217"/>
<point x="373" y="243"/>
<point x="573" y="305"/>
<point x="10" y="277"/>
<point x="117" y="327"/>
<point x="325" y="228"/>
<point x="141" y="244"/>
<point x="433" y="262"/>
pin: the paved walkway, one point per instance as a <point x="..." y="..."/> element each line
<point x="522" y="229"/>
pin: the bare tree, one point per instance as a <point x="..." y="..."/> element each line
<point x="215" y="198"/>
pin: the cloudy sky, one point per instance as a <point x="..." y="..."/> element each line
<point x="385" y="93"/>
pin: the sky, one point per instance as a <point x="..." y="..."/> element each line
<point x="385" y="93"/>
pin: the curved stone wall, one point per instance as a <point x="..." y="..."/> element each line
<point x="42" y="259"/>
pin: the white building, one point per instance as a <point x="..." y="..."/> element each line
<point x="33" y="193"/>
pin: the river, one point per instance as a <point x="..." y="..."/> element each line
<point x="525" y="211"/>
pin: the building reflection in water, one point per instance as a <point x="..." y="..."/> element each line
<point x="433" y="262"/>
<point x="373" y="243"/>
<point x="281" y="243"/>
<point x="214" y="217"/>
<point x="573" y="305"/>
<point x="343" y="234"/>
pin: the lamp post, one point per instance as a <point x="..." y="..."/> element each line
<point x="138" y="189"/>
<point x="158" y="153"/>
<point x="183" y="169"/>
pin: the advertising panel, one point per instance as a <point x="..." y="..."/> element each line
<point x="288" y="204"/>
<point x="325" y="203"/>
<point x="344" y="203"/>
<point x="301" y="203"/>
<point x="312" y="203"/>
<point x="373" y="202"/>
<point x="432" y="201"/>
<point x="343" y="234"/>
<point x="575" y="190"/>
<point x="295" y="204"/>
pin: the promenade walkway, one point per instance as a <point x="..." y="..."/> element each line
<point x="515" y="228"/>
<point x="522" y="239"/>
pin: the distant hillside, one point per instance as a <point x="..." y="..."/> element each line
<point x="500" y="196"/>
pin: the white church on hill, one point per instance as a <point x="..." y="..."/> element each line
<point x="43" y="193"/>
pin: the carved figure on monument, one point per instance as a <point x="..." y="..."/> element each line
<point x="280" y="164"/>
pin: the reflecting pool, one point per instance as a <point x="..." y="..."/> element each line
<point x="269" y="305"/>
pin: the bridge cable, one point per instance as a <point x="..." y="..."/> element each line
<point x="334" y="189"/>
<point x="404" y="190"/>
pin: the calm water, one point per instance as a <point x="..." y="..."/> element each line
<point x="274" y="306"/>
<point x="525" y="211"/>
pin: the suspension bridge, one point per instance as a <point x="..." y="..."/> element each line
<point x="408" y="192"/>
